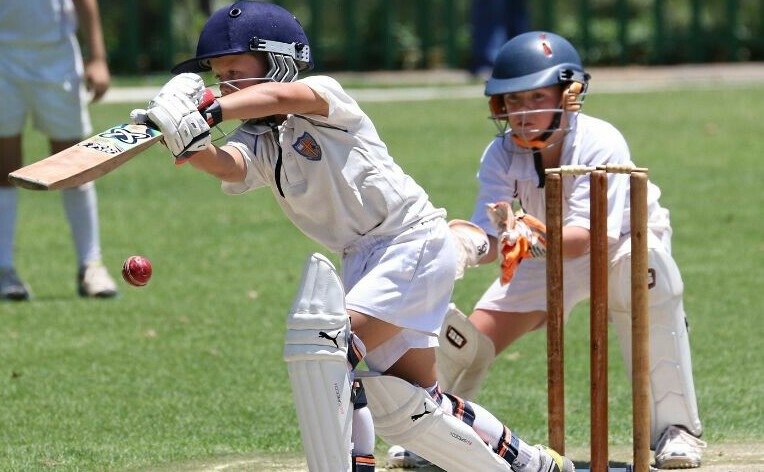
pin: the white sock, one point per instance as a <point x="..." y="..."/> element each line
<point x="362" y="433"/>
<point x="81" y="206"/>
<point x="8" y="212"/>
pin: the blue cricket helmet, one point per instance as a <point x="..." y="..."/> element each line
<point x="534" y="60"/>
<point x="251" y="26"/>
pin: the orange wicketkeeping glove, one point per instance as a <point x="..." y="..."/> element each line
<point x="520" y="236"/>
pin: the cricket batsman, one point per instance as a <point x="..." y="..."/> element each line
<point x="310" y="144"/>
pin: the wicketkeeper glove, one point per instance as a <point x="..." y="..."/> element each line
<point x="176" y="112"/>
<point x="471" y="244"/>
<point x="521" y="236"/>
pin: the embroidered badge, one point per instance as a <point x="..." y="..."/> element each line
<point x="307" y="146"/>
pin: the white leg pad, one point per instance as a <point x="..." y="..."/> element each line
<point x="318" y="331"/>
<point x="671" y="379"/>
<point x="463" y="356"/>
<point x="407" y="415"/>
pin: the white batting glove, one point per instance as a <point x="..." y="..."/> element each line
<point x="174" y="111"/>
<point x="471" y="244"/>
<point x="190" y="85"/>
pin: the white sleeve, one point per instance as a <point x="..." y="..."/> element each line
<point x="598" y="145"/>
<point x="257" y="152"/>
<point x="344" y="111"/>
<point x="494" y="184"/>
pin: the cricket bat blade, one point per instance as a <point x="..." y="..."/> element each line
<point x="87" y="160"/>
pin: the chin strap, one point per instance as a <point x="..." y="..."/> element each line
<point x="538" y="164"/>
<point x="536" y="145"/>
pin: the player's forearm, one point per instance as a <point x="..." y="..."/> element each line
<point x="493" y="251"/>
<point x="225" y="164"/>
<point x="269" y="99"/>
<point x="575" y="241"/>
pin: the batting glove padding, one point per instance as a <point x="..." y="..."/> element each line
<point x="471" y="244"/>
<point x="175" y="111"/>
<point x="520" y="235"/>
<point x="188" y="85"/>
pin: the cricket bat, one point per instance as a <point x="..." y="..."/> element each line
<point x="93" y="157"/>
<point x="86" y="160"/>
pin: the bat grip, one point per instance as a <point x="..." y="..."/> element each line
<point x="208" y="98"/>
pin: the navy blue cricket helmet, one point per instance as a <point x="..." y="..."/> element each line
<point x="534" y="60"/>
<point x="251" y="26"/>
<point x="530" y="61"/>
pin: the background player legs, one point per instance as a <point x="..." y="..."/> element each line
<point x="81" y="208"/>
<point x="11" y="286"/>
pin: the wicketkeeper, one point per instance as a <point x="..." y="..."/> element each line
<point x="535" y="96"/>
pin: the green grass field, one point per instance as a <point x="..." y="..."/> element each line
<point x="189" y="368"/>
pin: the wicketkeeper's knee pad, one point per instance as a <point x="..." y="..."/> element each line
<point x="407" y="415"/>
<point x="316" y="348"/>
<point x="464" y="355"/>
<point x="672" y="387"/>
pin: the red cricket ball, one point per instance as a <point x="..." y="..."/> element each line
<point x="136" y="271"/>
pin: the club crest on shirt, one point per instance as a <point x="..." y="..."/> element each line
<point x="307" y="146"/>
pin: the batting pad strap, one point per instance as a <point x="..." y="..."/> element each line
<point x="307" y="339"/>
<point x="318" y="330"/>
<point x="406" y="415"/>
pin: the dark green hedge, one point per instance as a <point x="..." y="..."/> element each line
<point x="145" y="36"/>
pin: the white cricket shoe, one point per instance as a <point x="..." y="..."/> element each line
<point x="551" y="461"/>
<point x="94" y="281"/>
<point x="678" y="449"/>
<point x="11" y="287"/>
<point x="399" y="457"/>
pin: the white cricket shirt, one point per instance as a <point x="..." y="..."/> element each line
<point x="507" y="173"/>
<point x="337" y="179"/>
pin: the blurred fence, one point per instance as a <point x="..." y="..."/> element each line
<point x="145" y="36"/>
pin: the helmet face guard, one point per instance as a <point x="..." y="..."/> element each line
<point x="249" y="26"/>
<point x="531" y="61"/>
<point x="515" y="124"/>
